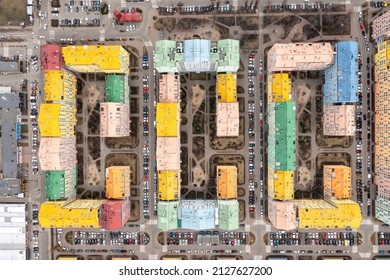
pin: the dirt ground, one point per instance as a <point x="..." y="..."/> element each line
<point x="236" y="160"/>
<point x="125" y="159"/>
<point x="13" y="12"/>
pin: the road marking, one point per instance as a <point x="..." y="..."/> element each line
<point x="375" y="249"/>
<point x="154" y="4"/>
<point x="148" y="43"/>
<point x="376" y="228"/>
<point x="258" y="257"/>
<point x="52" y="34"/>
<point x="357" y="9"/>
<point x="248" y="249"/>
<point x="152" y="222"/>
<point x="142" y="227"/>
<point x="153" y="257"/>
<point x="142" y="248"/>
<point x="29" y="51"/>
<point x="365" y="256"/>
<point x="6" y="51"/>
<point x="247" y="227"/>
<point x="164" y="248"/>
<point x="354" y="249"/>
<point x="102" y="35"/>
<point x="268" y="249"/>
<point x="267" y="228"/>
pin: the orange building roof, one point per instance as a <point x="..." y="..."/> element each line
<point x="337" y="181"/>
<point x="118" y="181"/>
<point x="227" y="182"/>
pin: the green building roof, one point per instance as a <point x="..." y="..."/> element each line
<point x="229" y="55"/>
<point x="165" y="56"/>
<point x="167" y="218"/>
<point x="228" y="214"/>
<point x="117" y="88"/>
<point x="60" y="185"/>
<point x="282" y="136"/>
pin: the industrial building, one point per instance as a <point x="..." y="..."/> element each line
<point x="228" y="120"/>
<point x="56" y="120"/>
<point x="51" y="57"/>
<point x="114" y="214"/>
<point x="282" y="214"/>
<point x="226" y="182"/>
<point x="381" y="26"/>
<point x="282" y="135"/>
<point x="60" y="184"/>
<point x="197" y="214"/>
<point x="169" y="88"/>
<point x="57" y="153"/>
<point x="300" y="57"/>
<point x="114" y="119"/>
<point x="167" y="218"/>
<point x="337" y="181"/>
<point x="70" y="214"/>
<point x="228" y="214"/>
<point x="226" y="88"/>
<point x="339" y="120"/>
<point x="280" y="184"/>
<point x="279" y="87"/>
<point x="341" y="79"/>
<point x="117" y="88"/>
<point x="13" y="237"/>
<point x="9" y="66"/>
<point x="10" y="136"/>
<point x="168" y="153"/>
<point x="91" y="59"/>
<point x="118" y="182"/>
<point x="168" y="185"/>
<point x="167" y="119"/>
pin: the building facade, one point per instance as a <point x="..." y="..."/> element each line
<point x="57" y="153"/>
<point x="118" y="182"/>
<point x="114" y="214"/>
<point x="337" y="181"/>
<point x="339" y="120"/>
<point x="381" y="26"/>
<point x="114" y="119"/>
<point x="60" y="184"/>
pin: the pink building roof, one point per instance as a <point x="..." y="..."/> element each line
<point x="168" y="153"/>
<point x="128" y="16"/>
<point x="339" y="120"/>
<point x="114" y="214"/>
<point x="228" y="121"/>
<point x="282" y="214"/>
<point x="381" y="26"/>
<point x="57" y="153"/>
<point x="114" y="119"/>
<point x="51" y="57"/>
<point x="169" y="88"/>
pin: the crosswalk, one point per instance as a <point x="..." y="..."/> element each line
<point x="102" y="35"/>
<point x="6" y="51"/>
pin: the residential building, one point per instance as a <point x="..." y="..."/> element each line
<point x="282" y="214"/>
<point x="228" y="121"/>
<point x="56" y="120"/>
<point x="118" y="182"/>
<point x="279" y="87"/>
<point x="57" y="153"/>
<point x="227" y="182"/>
<point x="167" y="119"/>
<point x="51" y="57"/>
<point x="228" y="55"/>
<point x="197" y="214"/>
<point x="227" y="88"/>
<point x="381" y="26"/>
<point x="117" y="88"/>
<point x="337" y="181"/>
<point x="114" y="214"/>
<point x="228" y="214"/>
<point x="60" y="184"/>
<point x="165" y="56"/>
<point x="280" y="184"/>
<point x="114" y="119"/>
<point x="168" y="185"/>
<point x="167" y="218"/>
<point x="70" y="214"/>
<point x="168" y="153"/>
<point x="382" y="209"/>
<point x="196" y="55"/>
<point x="300" y="57"/>
<point x="60" y="87"/>
<point x="169" y="88"/>
<point x="92" y="58"/>
<point x="341" y="79"/>
<point x="339" y="120"/>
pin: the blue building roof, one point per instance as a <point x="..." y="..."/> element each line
<point x="197" y="214"/>
<point x="197" y="55"/>
<point x="341" y="79"/>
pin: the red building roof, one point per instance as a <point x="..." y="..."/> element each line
<point x="128" y="16"/>
<point x="51" y="57"/>
<point x="114" y="214"/>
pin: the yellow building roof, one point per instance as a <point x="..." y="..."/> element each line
<point x="279" y="87"/>
<point x="56" y="120"/>
<point x="74" y="214"/>
<point x="227" y="88"/>
<point x="168" y="185"/>
<point x="118" y="181"/>
<point x="337" y="181"/>
<point x="227" y="182"/>
<point x="328" y="214"/>
<point x="59" y="86"/>
<point x="167" y="119"/>
<point x="108" y="59"/>
<point x="281" y="184"/>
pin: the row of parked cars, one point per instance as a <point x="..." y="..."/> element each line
<point x="35" y="92"/>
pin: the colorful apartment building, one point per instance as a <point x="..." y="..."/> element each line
<point x="91" y="59"/>
<point x="228" y="119"/>
<point x="70" y="214"/>
<point x="169" y="88"/>
<point x="57" y="153"/>
<point x="60" y="87"/>
<point x="168" y="185"/>
<point x="337" y="181"/>
<point x="228" y="214"/>
<point x="341" y="79"/>
<point x="339" y="120"/>
<point x="279" y="87"/>
<point x="56" y="120"/>
<point x="228" y="51"/>
<point x="114" y="214"/>
<point x="114" y="119"/>
<point x="196" y="55"/>
<point x="226" y="182"/>
<point x="226" y="88"/>
<point x="282" y="135"/>
<point x="118" y="182"/>
<point x="165" y="56"/>
<point x="280" y="184"/>
<point x="197" y="214"/>
<point x="282" y="214"/>
<point x="51" y="57"/>
<point x="167" y="119"/>
<point x="117" y="88"/>
<point x="381" y="26"/>
<point x="168" y="153"/>
<point x="300" y="57"/>
<point x="167" y="218"/>
<point x="60" y="184"/>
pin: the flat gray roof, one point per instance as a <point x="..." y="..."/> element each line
<point x="9" y="66"/>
